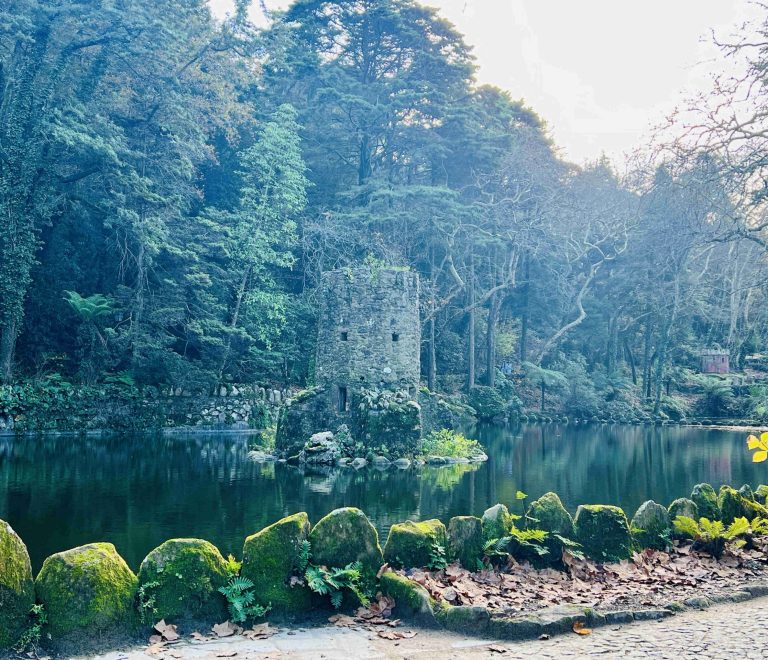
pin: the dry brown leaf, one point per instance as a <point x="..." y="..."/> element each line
<point x="493" y="648"/>
<point x="155" y="649"/>
<point x="342" y="620"/>
<point x="198" y="637"/>
<point x="226" y="654"/>
<point x="226" y="629"/>
<point x="579" y="629"/>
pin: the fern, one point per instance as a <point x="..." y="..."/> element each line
<point x="332" y="582"/>
<point x="437" y="558"/>
<point x="305" y="554"/>
<point x="241" y="600"/>
<point x="711" y="535"/>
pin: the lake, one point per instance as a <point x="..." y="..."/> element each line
<point x="58" y="492"/>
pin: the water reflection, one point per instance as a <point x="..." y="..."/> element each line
<point x="138" y="491"/>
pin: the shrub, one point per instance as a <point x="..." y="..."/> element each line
<point x="712" y="536"/>
<point x="450" y="444"/>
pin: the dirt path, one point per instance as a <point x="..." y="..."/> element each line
<point x="724" y="631"/>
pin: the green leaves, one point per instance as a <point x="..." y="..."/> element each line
<point x="241" y="600"/>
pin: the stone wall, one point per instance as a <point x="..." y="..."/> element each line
<point x="115" y="409"/>
<point x="369" y="333"/>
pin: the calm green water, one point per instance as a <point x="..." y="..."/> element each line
<point x="138" y="491"/>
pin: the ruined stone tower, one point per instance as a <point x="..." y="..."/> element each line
<point x="369" y="333"/>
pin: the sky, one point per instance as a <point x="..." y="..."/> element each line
<point x="602" y="73"/>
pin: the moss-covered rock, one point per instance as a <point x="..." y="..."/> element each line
<point x="705" y="499"/>
<point x="306" y="413"/>
<point x="184" y="576"/>
<point x="412" y="544"/>
<point x="733" y="504"/>
<point x="17" y="590"/>
<point x="88" y="592"/>
<point x="345" y="536"/>
<point x="549" y="514"/>
<point x="496" y="522"/>
<point x="271" y="557"/>
<point x="746" y="491"/>
<point x="651" y="526"/>
<point x="465" y="541"/>
<point x="603" y="531"/>
<point x="411" y="599"/>
<point x="761" y="493"/>
<point x="682" y="506"/>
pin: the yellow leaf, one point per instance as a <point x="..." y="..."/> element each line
<point x="752" y="442"/>
<point x="764" y="439"/>
<point x="579" y="629"/>
<point x="759" y="456"/>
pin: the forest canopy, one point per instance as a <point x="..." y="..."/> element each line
<point x="172" y="186"/>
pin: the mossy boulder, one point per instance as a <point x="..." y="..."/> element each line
<point x="345" y="536"/>
<point x="88" y="592"/>
<point x="496" y="522"/>
<point x="306" y="413"/>
<point x="412" y="544"/>
<point x="651" y="526"/>
<point x="465" y="541"/>
<point x="705" y="499"/>
<point x="733" y="504"/>
<point x="549" y="514"/>
<point x="682" y="506"/>
<point x="412" y="600"/>
<point x="184" y="576"/>
<point x="271" y="558"/>
<point x="761" y="494"/>
<point x="746" y="491"/>
<point x="603" y="531"/>
<point x="17" y="589"/>
<point x="487" y="402"/>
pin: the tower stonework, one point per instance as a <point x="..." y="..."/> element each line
<point x="369" y="333"/>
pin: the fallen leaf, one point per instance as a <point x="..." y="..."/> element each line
<point x="342" y="620"/>
<point x="496" y="649"/>
<point x="579" y="629"/>
<point x="226" y="629"/>
<point x="199" y="637"/>
<point x="226" y="654"/>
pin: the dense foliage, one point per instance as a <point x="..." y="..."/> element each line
<point x="172" y="186"/>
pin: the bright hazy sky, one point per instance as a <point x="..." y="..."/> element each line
<point x="600" y="72"/>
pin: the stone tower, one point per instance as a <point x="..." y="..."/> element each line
<point x="369" y="333"/>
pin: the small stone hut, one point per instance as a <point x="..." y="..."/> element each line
<point x="369" y="333"/>
<point x="714" y="361"/>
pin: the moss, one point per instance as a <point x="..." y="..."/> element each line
<point x="411" y="599"/>
<point x="345" y="536"/>
<point x="188" y="573"/>
<point x="651" y="526"/>
<point x="746" y="491"/>
<point x="496" y="522"/>
<point x="17" y="590"/>
<point x="87" y="592"/>
<point x="549" y="514"/>
<point x="705" y="499"/>
<point x="603" y="531"/>
<point x="761" y="493"/>
<point x="411" y="544"/>
<point x="733" y="504"/>
<point x="465" y="541"/>
<point x="683" y="507"/>
<point x="270" y="559"/>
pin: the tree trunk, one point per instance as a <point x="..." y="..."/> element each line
<point x="7" y="345"/>
<point x="631" y="359"/>
<point x="647" y="360"/>
<point x="471" y="338"/>
<point x="493" y="317"/>
<point x="525" y="308"/>
<point x="432" y="373"/>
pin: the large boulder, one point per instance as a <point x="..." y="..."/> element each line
<point x="733" y="504"/>
<point x="761" y="493"/>
<point x="182" y="578"/>
<point x="17" y="589"/>
<point x="549" y="514"/>
<point x="300" y="417"/>
<point x="387" y="418"/>
<point x="682" y="506"/>
<point x="705" y="499"/>
<point x="413" y="544"/>
<point x="271" y="558"/>
<point x="345" y="536"/>
<point x="321" y="449"/>
<point x="465" y="541"/>
<point x="651" y="526"/>
<point x="88" y="593"/>
<point x="603" y="531"/>
<point x="496" y="521"/>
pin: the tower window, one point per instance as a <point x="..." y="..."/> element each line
<point x="344" y="335"/>
<point x="395" y="336"/>
<point x="343" y="403"/>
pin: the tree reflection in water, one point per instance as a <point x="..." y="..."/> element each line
<point x="137" y="491"/>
